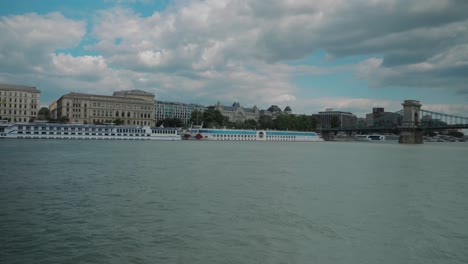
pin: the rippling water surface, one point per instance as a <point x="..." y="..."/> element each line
<point x="232" y="202"/>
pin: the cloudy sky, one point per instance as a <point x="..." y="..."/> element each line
<point x="350" y="55"/>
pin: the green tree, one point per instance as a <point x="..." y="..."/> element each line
<point x="119" y="122"/>
<point x="250" y="124"/>
<point x="265" y="122"/>
<point x="213" y="118"/>
<point x="43" y="113"/>
<point x="170" y="122"/>
<point x="282" y="122"/>
<point x="196" y="117"/>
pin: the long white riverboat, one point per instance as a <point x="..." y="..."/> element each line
<point x="80" y="131"/>
<point x="249" y="135"/>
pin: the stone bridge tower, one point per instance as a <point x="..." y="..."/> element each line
<point x="410" y="133"/>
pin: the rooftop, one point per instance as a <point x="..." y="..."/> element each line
<point x="96" y="96"/>
<point x="136" y="92"/>
<point x="21" y="88"/>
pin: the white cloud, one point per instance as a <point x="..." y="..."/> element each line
<point x="27" y="40"/>
<point x="239" y="50"/>
<point x="67" y="65"/>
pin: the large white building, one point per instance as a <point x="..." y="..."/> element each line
<point x="19" y="103"/>
<point x="133" y="107"/>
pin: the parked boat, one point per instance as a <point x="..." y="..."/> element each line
<point x="81" y="131"/>
<point x="249" y="135"/>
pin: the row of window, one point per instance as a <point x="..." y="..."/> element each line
<point x="46" y="128"/>
<point x="164" y="131"/>
<point x="129" y="122"/>
<point x="236" y="136"/>
<point x="17" y="100"/>
<point x="82" y="133"/>
<point x="269" y="139"/>
<point x="11" y="106"/>
<point x="104" y="113"/>
<point x="15" y="119"/>
<point x="124" y="130"/>
<point x="18" y="94"/>
<point x="128" y="106"/>
<point x="15" y="112"/>
<point x="253" y="136"/>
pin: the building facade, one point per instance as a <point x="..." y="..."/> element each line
<point x="380" y="118"/>
<point x="237" y="113"/>
<point x="331" y="119"/>
<point x="53" y="110"/>
<point x="19" y="103"/>
<point x="132" y="107"/>
<point x="181" y="111"/>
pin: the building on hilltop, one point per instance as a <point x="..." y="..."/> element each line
<point x="181" y="111"/>
<point x="237" y="113"/>
<point x="132" y="107"/>
<point x="19" y="103"/>
<point x="336" y="119"/>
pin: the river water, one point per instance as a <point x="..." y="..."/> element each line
<point x="232" y="202"/>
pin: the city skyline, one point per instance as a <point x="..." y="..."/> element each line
<point x="309" y="55"/>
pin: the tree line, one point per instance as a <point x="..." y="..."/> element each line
<point x="213" y="118"/>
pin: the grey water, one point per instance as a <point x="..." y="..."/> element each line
<point x="76" y="201"/>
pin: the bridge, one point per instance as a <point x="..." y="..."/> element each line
<point x="410" y="123"/>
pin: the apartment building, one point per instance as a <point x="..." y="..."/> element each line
<point x="19" y="103"/>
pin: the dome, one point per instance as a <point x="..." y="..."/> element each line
<point x="274" y="109"/>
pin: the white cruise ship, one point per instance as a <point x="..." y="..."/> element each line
<point x="80" y="131"/>
<point x="249" y="135"/>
